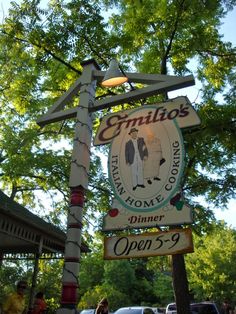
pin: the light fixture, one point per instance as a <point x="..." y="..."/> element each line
<point x="114" y="76"/>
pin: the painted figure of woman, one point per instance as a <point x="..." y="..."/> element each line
<point x="152" y="163"/>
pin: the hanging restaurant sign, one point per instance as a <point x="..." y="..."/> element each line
<point x="176" y="241"/>
<point x="146" y="163"/>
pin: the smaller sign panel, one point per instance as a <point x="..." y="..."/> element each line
<point x="174" y="213"/>
<point x="176" y="241"/>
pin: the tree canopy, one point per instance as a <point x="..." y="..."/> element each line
<point x="211" y="277"/>
<point x="42" y="47"/>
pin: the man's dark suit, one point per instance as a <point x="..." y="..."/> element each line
<point x="129" y="150"/>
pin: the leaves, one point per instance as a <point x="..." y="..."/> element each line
<point x="209" y="267"/>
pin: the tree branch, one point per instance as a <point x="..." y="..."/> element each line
<point x="46" y="50"/>
<point x="207" y="52"/>
<point x="172" y="35"/>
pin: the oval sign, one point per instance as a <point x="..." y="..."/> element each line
<point x="146" y="160"/>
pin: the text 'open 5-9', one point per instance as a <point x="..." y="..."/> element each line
<point x="175" y="241"/>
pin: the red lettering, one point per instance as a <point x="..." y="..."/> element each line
<point x="173" y="114"/>
<point x="116" y="122"/>
<point x="110" y="124"/>
<point x="183" y="112"/>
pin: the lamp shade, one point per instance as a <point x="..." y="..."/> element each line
<point x="114" y="76"/>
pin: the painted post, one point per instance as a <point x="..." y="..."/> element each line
<point x="78" y="184"/>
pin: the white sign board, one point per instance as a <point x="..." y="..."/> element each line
<point x="120" y="218"/>
<point x="146" y="161"/>
<point x="171" y="242"/>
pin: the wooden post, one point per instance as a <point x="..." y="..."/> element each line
<point x="35" y="274"/>
<point x="180" y="284"/>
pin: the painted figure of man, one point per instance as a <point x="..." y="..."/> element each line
<point x="135" y="153"/>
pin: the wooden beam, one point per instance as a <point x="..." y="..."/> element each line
<point x="164" y="86"/>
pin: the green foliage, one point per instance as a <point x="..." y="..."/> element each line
<point x="42" y="50"/>
<point x="125" y="280"/>
<point x="211" y="267"/>
<point x="10" y="273"/>
<point x="49" y="281"/>
<point x="163" y="287"/>
<point x="122" y="281"/>
<point x="91" y="274"/>
<point x="91" y="298"/>
<point x="48" y="278"/>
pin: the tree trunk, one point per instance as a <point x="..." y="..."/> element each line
<point x="180" y="284"/>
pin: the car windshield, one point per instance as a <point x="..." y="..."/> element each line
<point x="89" y="311"/>
<point x="203" y="309"/>
<point x="134" y="311"/>
<point x="129" y="311"/>
<point x="172" y="307"/>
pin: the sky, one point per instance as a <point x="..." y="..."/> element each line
<point x="228" y="31"/>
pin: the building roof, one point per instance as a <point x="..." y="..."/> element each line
<point x="24" y="232"/>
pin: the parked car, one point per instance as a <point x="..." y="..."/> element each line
<point x="171" y="308"/>
<point x="158" y="310"/>
<point x="196" y="308"/>
<point x="204" y="308"/>
<point x="88" y="311"/>
<point x="135" y="310"/>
